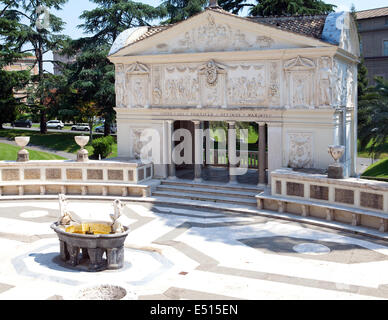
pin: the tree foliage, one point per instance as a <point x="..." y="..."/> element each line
<point x="10" y="81"/>
<point x="112" y="17"/>
<point x="179" y="10"/>
<point x="291" y="7"/>
<point x="373" y="117"/>
<point x="32" y="28"/>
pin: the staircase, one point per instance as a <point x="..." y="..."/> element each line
<point x="209" y="192"/>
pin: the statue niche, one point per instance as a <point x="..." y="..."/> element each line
<point x="300" y="82"/>
<point x="137" y="79"/>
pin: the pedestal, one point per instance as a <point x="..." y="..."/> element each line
<point x="23" y="156"/>
<point x="82" y="155"/>
<point x="335" y="171"/>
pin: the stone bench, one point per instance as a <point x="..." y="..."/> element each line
<point x="329" y="212"/>
<point x="21" y="188"/>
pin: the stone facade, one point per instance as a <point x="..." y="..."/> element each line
<point x="220" y="67"/>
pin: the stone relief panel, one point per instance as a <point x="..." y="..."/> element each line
<point x="339" y="83"/>
<point x="246" y="84"/>
<point x="300" y="82"/>
<point x="300" y="150"/>
<point x="120" y="86"/>
<point x="216" y="35"/>
<point x="137" y="86"/>
<point x="274" y="83"/>
<point x="325" y="84"/>
<point x="180" y="85"/>
<point x="137" y="144"/>
<point x="212" y="82"/>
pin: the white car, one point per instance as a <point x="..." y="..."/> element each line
<point x="55" y="124"/>
<point x="80" y="127"/>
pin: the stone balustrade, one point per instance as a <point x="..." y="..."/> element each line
<point x="353" y="201"/>
<point x="70" y="177"/>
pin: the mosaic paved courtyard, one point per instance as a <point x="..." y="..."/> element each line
<point x="176" y="253"/>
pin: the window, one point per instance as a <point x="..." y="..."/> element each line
<point x="386" y="21"/>
<point x="385" y="48"/>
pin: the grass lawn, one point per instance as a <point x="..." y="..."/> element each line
<point x="9" y="152"/>
<point x="378" y="170"/>
<point x="60" y="141"/>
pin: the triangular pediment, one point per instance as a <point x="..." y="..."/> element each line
<point x="213" y="31"/>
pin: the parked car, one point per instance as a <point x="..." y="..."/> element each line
<point x="22" y="123"/>
<point x="113" y="129"/>
<point x="55" y="124"/>
<point x="80" y="127"/>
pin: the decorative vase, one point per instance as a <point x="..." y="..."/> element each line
<point x="23" y="155"/>
<point x="82" y="154"/>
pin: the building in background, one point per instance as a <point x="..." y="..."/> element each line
<point x="62" y="59"/>
<point x="26" y="63"/>
<point x="373" y="26"/>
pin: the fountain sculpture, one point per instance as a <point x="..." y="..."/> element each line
<point x="93" y="239"/>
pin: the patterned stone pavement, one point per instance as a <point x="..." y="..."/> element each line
<point x="174" y="253"/>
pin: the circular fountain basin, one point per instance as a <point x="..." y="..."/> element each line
<point x="93" y="247"/>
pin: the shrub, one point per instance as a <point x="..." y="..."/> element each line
<point x="102" y="146"/>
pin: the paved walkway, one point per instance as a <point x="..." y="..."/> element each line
<point x="63" y="154"/>
<point x="174" y="253"/>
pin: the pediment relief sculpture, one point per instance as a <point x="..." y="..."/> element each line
<point x="299" y="63"/>
<point x="137" y="68"/>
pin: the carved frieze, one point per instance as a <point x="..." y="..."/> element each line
<point x="300" y="153"/>
<point x="215" y="35"/>
<point x="247" y="84"/>
<point x="180" y="86"/>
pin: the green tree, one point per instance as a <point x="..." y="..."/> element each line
<point x="106" y="22"/>
<point x="90" y="84"/>
<point x="111" y="17"/>
<point x="373" y="118"/>
<point x="234" y="6"/>
<point x="35" y="30"/>
<point x="179" y="10"/>
<point x="10" y="81"/>
<point x="291" y="7"/>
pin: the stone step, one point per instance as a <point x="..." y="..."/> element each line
<point x="209" y="198"/>
<point x="208" y="191"/>
<point x="218" y="186"/>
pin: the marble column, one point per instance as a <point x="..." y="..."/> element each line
<point x="262" y="153"/>
<point x="198" y="151"/>
<point x="232" y="161"/>
<point x="171" y="144"/>
<point x="206" y="130"/>
<point x="166" y="148"/>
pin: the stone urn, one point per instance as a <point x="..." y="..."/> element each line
<point x="336" y="170"/>
<point x="336" y="152"/>
<point x="82" y="154"/>
<point x="23" y="154"/>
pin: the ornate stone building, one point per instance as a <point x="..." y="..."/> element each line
<point x="295" y="76"/>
